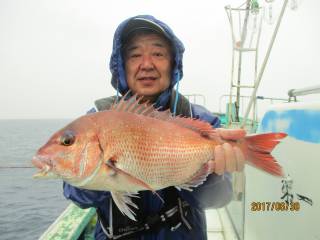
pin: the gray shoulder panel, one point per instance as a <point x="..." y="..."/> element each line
<point x="183" y="105"/>
<point x="105" y="103"/>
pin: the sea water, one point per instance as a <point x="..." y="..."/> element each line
<point x="27" y="206"/>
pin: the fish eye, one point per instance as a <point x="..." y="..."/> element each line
<point x="67" y="138"/>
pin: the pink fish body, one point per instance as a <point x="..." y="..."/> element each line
<point x="133" y="147"/>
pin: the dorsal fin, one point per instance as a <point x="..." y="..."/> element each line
<point x="133" y="105"/>
<point x="204" y="128"/>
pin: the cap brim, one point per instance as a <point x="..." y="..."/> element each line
<point x="136" y="24"/>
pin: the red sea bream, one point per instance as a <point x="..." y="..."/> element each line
<point x="133" y="147"/>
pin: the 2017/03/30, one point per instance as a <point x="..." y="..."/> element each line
<point x="275" y="206"/>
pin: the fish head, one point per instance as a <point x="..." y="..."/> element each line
<point x="73" y="153"/>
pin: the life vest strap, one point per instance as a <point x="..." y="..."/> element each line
<point x="173" y="217"/>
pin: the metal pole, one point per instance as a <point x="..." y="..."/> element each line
<point x="304" y="91"/>
<point x="229" y="113"/>
<point x="264" y="64"/>
<point x="243" y="38"/>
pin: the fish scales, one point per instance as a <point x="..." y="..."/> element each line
<point x="156" y="151"/>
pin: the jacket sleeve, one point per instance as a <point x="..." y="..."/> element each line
<point x="84" y="198"/>
<point x="216" y="191"/>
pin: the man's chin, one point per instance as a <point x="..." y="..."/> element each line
<point x="149" y="95"/>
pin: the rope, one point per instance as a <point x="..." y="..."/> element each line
<point x="177" y="95"/>
<point x="117" y="100"/>
<point x="6" y="167"/>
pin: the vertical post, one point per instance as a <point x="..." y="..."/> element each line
<point x="243" y="38"/>
<point x="264" y="64"/>
<point x="229" y="113"/>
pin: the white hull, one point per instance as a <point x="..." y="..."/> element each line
<point x="260" y="212"/>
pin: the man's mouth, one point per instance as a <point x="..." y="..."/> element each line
<point x="147" y="78"/>
<point x="147" y="81"/>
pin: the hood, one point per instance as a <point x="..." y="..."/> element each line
<point x="116" y="64"/>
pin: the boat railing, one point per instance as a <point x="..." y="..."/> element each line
<point x="294" y="93"/>
<point x="73" y="224"/>
<point x="244" y="101"/>
<point x="195" y="98"/>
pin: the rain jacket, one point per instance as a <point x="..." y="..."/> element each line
<point x="215" y="192"/>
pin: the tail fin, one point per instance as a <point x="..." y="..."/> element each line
<point x="258" y="149"/>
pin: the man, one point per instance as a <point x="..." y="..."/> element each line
<point x="147" y="60"/>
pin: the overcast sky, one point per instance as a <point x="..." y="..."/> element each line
<point x="54" y="54"/>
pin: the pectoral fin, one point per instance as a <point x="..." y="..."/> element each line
<point x="132" y="179"/>
<point x="123" y="202"/>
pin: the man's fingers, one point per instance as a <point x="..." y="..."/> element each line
<point x="231" y="134"/>
<point x="219" y="159"/>
<point x="227" y="159"/>
<point x="211" y="165"/>
<point x="230" y="157"/>
<point x="240" y="159"/>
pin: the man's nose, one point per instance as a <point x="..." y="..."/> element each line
<point x="146" y="63"/>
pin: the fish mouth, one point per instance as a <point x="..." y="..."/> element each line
<point x="45" y="166"/>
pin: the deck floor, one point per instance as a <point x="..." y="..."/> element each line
<point x="214" y="227"/>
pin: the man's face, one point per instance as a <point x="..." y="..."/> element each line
<point x="148" y="65"/>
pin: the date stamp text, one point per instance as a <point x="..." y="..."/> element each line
<point x="275" y="206"/>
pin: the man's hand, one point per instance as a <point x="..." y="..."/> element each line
<point x="228" y="158"/>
